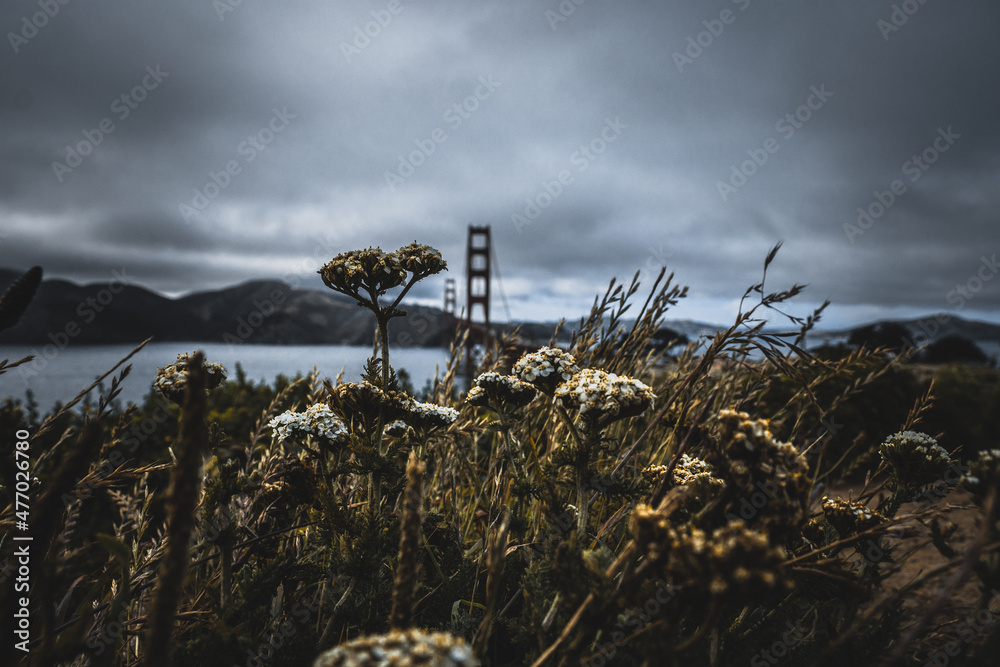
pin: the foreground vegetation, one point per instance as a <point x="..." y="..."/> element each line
<point x="577" y="506"/>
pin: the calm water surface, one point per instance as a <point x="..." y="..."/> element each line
<point x="60" y="375"/>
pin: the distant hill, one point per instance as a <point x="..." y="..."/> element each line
<point x="934" y="327"/>
<point x="271" y="312"/>
<point x="264" y="312"/>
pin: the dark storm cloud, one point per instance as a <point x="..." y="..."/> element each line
<point x="258" y="142"/>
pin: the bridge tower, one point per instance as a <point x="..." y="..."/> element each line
<point x="478" y="252"/>
<point x="450" y="297"/>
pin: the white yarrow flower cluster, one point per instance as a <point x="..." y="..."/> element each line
<point x="476" y="396"/>
<point x="604" y="397"/>
<point x="506" y="389"/>
<point x="915" y="458"/>
<point x="429" y="415"/>
<point x="318" y="421"/>
<point x="920" y="444"/>
<point x="546" y="367"/>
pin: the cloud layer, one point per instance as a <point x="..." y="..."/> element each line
<point x="202" y="144"/>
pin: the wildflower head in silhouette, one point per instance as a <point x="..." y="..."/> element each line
<point x="730" y="561"/>
<point x="849" y="517"/>
<point x="171" y="380"/>
<point x="758" y="468"/>
<point x="546" y="368"/>
<point x="502" y="390"/>
<point x="367" y="274"/>
<point x="420" y="260"/>
<point x="914" y="459"/>
<point x="692" y="472"/>
<point x="602" y="398"/>
<point x="366" y="402"/>
<point x="361" y="273"/>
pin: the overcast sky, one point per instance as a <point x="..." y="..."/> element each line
<point x="198" y="144"/>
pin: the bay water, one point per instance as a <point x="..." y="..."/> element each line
<point x="58" y="375"/>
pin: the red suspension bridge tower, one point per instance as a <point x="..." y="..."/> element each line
<point x="478" y="253"/>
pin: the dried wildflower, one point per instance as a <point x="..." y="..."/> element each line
<point x="654" y="473"/>
<point x="365" y="401"/>
<point x="849" y="517"/>
<point x="317" y="421"/>
<point x="741" y="560"/>
<point x="171" y="380"/>
<point x="984" y="474"/>
<point x="505" y="390"/>
<point x="651" y="529"/>
<point x="358" y="271"/>
<point x="546" y="368"/>
<point x="691" y="471"/>
<point x="602" y="398"/>
<point x="401" y="649"/>
<point x="915" y="459"/>
<point x="733" y="560"/>
<point x="767" y="481"/>
<point x="428" y="415"/>
<point x="420" y="260"/>
<point x="815" y="534"/>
